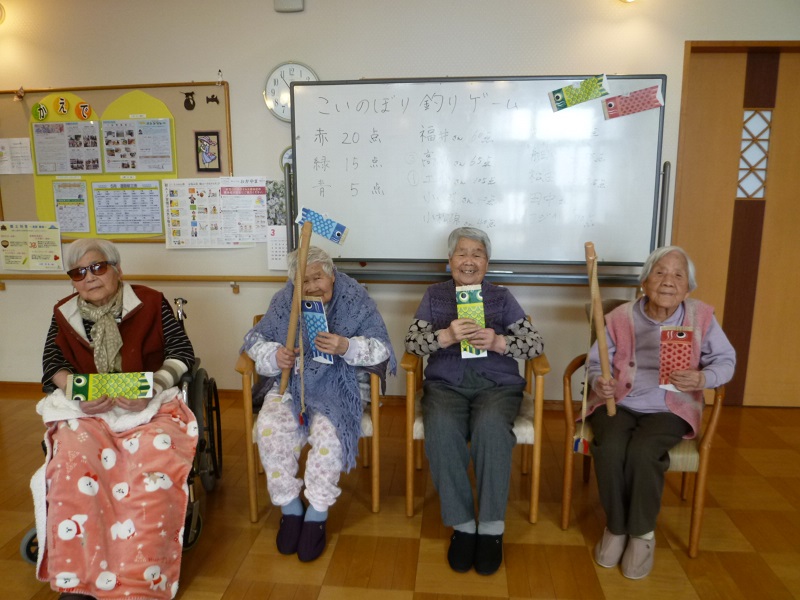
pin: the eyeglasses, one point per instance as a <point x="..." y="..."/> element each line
<point x="98" y="268"/>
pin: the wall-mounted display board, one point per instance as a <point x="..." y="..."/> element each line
<point x="403" y="162"/>
<point x="99" y="154"/>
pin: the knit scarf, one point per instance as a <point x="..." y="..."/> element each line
<point x="106" y="340"/>
<point x="330" y="390"/>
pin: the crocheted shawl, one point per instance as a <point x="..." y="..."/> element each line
<point x="331" y="390"/>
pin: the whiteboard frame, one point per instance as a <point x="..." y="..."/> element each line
<point x="656" y="227"/>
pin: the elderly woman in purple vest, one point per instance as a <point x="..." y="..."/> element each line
<point x="664" y="350"/>
<point x="469" y="404"/>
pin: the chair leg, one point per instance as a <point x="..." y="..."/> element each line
<point x="526" y="459"/>
<point x="364" y="450"/>
<point x="252" y="459"/>
<point x="376" y="450"/>
<point x="698" y="504"/>
<point x="536" y="472"/>
<point x="566" y="492"/>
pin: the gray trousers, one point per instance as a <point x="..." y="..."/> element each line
<point x="630" y="459"/>
<point x="473" y="420"/>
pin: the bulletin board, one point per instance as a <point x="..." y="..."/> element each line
<point x="402" y="162"/>
<point x="197" y="114"/>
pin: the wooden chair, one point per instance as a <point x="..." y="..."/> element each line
<point x="689" y="456"/>
<point x="527" y="426"/>
<point x="370" y="428"/>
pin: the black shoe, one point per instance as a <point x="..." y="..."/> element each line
<point x="289" y="533"/>
<point x="488" y="554"/>
<point x="461" y="554"/>
<point x="312" y="541"/>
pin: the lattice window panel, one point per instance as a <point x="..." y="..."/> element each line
<point x="754" y="153"/>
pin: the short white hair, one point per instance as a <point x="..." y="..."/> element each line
<point x="660" y="253"/>
<point x="471" y="233"/>
<point x="315" y="255"/>
<point x="76" y="250"/>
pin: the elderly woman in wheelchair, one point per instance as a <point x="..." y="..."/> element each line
<point x="111" y="497"/>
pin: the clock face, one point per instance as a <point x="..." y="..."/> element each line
<point x="276" y="90"/>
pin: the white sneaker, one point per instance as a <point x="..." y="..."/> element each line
<point x="608" y="551"/>
<point x="637" y="562"/>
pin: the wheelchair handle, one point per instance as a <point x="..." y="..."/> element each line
<point x="179" y="302"/>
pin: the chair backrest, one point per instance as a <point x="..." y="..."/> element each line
<point x="608" y="305"/>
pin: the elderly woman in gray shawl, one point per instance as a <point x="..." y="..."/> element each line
<point x="324" y="409"/>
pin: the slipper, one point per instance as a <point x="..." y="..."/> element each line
<point x="488" y="554"/>
<point x="289" y="533"/>
<point x="461" y="553"/>
<point x="312" y="541"/>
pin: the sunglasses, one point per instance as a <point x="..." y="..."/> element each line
<point x="98" y="268"/>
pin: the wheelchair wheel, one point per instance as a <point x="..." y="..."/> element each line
<point x="29" y="547"/>
<point x="205" y="405"/>
<point x="192" y="530"/>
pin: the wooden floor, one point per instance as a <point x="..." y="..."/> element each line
<point x="750" y="545"/>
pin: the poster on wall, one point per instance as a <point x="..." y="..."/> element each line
<point x="137" y="146"/>
<point x="244" y="203"/>
<point x="127" y="207"/>
<point x="30" y="246"/>
<point x="193" y="213"/>
<point x="72" y="208"/>
<point x="15" y="156"/>
<point x="66" y="148"/>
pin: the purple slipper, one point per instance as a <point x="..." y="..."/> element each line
<point x="312" y="541"/>
<point x="289" y="533"/>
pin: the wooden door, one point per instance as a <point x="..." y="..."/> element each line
<point x="737" y="205"/>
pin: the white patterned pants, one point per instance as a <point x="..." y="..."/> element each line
<point x="280" y="441"/>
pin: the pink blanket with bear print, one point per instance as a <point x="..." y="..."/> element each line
<point x="116" y="502"/>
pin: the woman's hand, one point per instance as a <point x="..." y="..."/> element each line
<point x="330" y="343"/>
<point x="458" y="330"/>
<point x="97" y="406"/>
<point x="487" y="339"/>
<point x="136" y="405"/>
<point x="284" y="357"/>
<point x="604" y="388"/>
<point x="688" y="381"/>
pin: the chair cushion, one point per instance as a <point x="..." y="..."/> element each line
<point x="685" y="457"/>
<point x="523" y="424"/>
<point x="366" y="422"/>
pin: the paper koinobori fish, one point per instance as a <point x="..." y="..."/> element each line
<point x="86" y="387"/>
<point x="675" y="353"/>
<point x="469" y="305"/>
<point x="315" y="321"/>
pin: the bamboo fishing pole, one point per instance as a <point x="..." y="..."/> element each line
<point x="599" y="321"/>
<point x="294" y="315"/>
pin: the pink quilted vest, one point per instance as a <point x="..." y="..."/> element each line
<point x="687" y="405"/>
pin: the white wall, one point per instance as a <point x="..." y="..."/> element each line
<point x="100" y="43"/>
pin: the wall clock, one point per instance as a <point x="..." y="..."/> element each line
<point x="276" y="90"/>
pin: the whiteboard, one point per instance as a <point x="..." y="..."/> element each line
<point x="403" y="162"/>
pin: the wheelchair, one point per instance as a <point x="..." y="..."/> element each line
<point x="199" y="391"/>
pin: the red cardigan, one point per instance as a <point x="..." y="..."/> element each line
<point x="141" y="330"/>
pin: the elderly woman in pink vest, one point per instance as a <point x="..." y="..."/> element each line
<point x="664" y="350"/>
